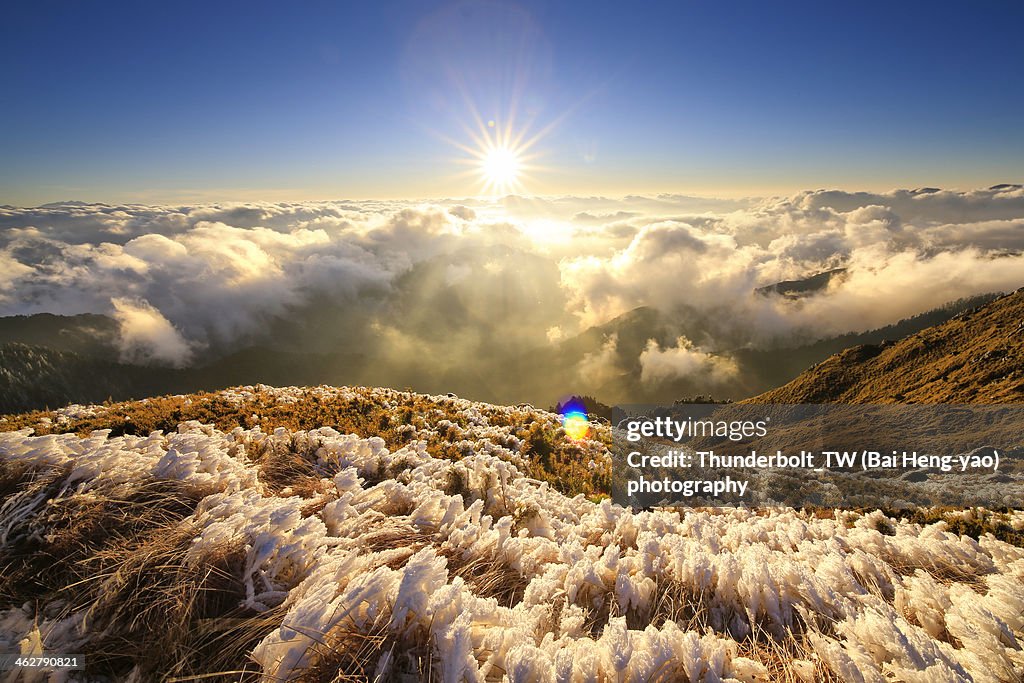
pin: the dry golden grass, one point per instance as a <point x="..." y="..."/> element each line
<point x="345" y="655"/>
<point x="549" y="455"/>
<point x="121" y="555"/>
<point x="147" y="597"/>
<point x="45" y="552"/>
<point x="488" y="578"/>
<point x="781" y="654"/>
<point x="121" y="561"/>
<point x="977" y="357"/>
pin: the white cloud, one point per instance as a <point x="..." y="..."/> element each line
<point x="147" y="336"/>
<point x="464" y="278"/>
<point x="897" y="247"/>
<point x="684" y="361"/>
<point x="11" y="271"/>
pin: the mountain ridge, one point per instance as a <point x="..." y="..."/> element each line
<point x="976" y="357"/>
<point x="50" y="361"/>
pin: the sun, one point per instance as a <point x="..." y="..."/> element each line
<point x="499" y="155"/>
<point x="501" y="158"/>
<point x="500" y="167"/>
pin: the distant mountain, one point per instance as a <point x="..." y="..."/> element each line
<point x="69" y="202"/>
<point x="769" y="368"/>
<point x="87" y="334"/>
<point x="602" y="360"/>
<point x="552" y="370"/>
<point x="976" y="357"/>
<point x="50" y="361"/>
<point x="34" y="377"/>
<point x="794" y="289"/>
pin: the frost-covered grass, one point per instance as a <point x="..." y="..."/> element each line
<point x="307" y="553"/>
<point x="451" y="427"/>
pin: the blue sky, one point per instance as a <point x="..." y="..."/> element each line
<point x="213" y="101"/>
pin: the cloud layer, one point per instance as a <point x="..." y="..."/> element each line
<point x="457" y="282"/>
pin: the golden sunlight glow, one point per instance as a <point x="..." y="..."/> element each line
<point x="546" y="232"/>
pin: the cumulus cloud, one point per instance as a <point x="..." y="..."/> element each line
<point x="11" y="270"/>
<point x="604" y="218"/>
<point x="684" y="361"/>
<point x="147" y="336"/>
<point x="905" y="252"/>
<point x="472" y="286"/>
<point x="463" y="212"/>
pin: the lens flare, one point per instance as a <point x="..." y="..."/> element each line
<point x="576" y="425"/>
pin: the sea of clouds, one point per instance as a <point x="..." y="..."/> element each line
<point x="444" y="279"/>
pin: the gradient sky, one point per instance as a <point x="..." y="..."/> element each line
<point x="175" y="102"/>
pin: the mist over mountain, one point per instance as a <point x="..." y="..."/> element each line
<point x="87" y="334"/>
<point x="33" y="377"/>
<point x="794" y="289"/>
<point x="517" y="299"/>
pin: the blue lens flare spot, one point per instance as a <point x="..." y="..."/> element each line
<point x="576" y="424"/>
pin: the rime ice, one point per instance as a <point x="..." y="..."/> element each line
<point x="575" y="590"/>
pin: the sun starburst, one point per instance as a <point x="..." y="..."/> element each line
<point x="501" y="158"/>
<point x="500" y="167"/>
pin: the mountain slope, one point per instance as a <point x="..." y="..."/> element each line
<point x="368" y="534"/>
<point x="977" y="357"/>
<point x="86" y="334"/>
<point x="553" y="369"/>
<point x="53" y="360"/>
<point x="32" y="377"/>
<point x="794" y="289"/>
